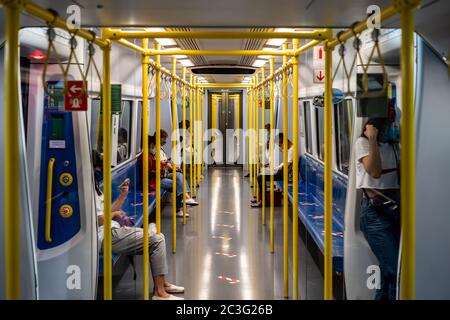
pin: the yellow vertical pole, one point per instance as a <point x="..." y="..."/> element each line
<point x="202" y="117"/>
<point x="285" y="179"/>
<point x="183" y="75"/>
<point x="237" y="109"/>
<point x="263" y="148"/>
<point x="295" y="171"/>
<point x="191" y="135"/>
<point x="213" y="115"/>
<point x="12" y="163"/>
<point x="328" y="183"/>
<point x="272" y="142"/>
<point x="146" y="257"/>
<point x="257" y="140"/>
<point x="250" y="135"/>
<point x="174" y="158"/>
<point x="199" y="129"/>
<point x="158" y="139"/>
<point x="195" y="142"/>
<point x="407" y="175"/>
<point x="107" y="215"/>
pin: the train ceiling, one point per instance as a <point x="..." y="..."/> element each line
<point x="431" y="20"/>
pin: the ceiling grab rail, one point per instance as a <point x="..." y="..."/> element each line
<point x="365" y="80"/>
<point x="51" y="36"/>
<point x="152" y="82"/>
<point x="91" y="62"/>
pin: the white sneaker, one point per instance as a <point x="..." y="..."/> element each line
<point x="174" y="289"/>
<point x="180" y="214"/>
<point x="191" y="202"/>
<point x="171" y="297"/>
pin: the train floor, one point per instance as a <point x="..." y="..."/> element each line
<point x="223" y="251"/>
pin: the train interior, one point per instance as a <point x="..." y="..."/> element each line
<point x="225" y="249"/>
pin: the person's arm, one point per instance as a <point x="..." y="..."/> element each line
<point x="372" y="162"/>
<point x="117" y="204"/>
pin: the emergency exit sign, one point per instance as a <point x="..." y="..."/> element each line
<point x="75" y="97"/>
<point x="318" y="64"/>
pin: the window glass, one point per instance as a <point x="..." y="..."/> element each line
<point x="319" y="135"/>
<point x="343" y="126"/>
<point x="307" y="118"/>
<point x="96" y="126"/>
<point x="139" y="127"/>
<point x="124" y="132"/>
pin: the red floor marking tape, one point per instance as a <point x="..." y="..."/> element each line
<point x="223" y="238"/>
<point x="229" y="255"/>
<point x="226" y="225"/>
<point x="228" y="212"/>
<point x="229" y="280"/>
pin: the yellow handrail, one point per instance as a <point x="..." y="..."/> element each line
<point x="250" y="137"/>
<point x="256" y="144"/>
<point x="408" y="151"/>
<point x="328" y="183"/>
<point x="295" y="63"/>
<point x="272" y="160"/>
<point x="264" y="145"/>
<point x="107" y="214"/>
<point x="191" y="136"/>
<point x="12" y="163"/>
<point x="48" y="207"/>
<point x="285" y="181"/>
<point x="174" y="158"/>
<point x="183" y="75"/>
<point x="145" y="106"/>
<point x="158" y="142"/>
<point x="320" y="34"/>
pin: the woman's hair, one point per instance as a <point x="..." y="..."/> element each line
<point x="151" y="140"/>
<point x="379" y="123"/>
<point x="96" y="159"/>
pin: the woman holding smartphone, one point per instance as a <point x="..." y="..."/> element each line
<point x="377" y="174"/>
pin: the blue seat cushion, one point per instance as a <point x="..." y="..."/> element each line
<point x="310" y="201"/>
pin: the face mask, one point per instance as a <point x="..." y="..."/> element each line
<point x="153" y="151"/>
<point x="392" y="133"/>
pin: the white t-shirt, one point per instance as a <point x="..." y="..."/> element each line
<point x="99" y="201"/>
<point x="388" y="161"/>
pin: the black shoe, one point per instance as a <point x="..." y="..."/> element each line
<point x="253" y="201"/>
<point x="256" y="205"/>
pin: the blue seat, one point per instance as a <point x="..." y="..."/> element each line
<point x="310" y="206"/>
<point x="133" y="205"/>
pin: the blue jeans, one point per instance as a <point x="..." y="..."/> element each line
<point x="382" y="232"/>
<point x="166" y="184"/>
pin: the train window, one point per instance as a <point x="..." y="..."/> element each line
<point x="343" y="118"/>
<point x="139" y="127"/>
<point x="96" y="126"/>
<point x="307" y="118"/>
<point x="319" y="133"/>
<point x="124" y="132"/>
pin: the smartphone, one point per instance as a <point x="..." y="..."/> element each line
<point x="126" y="181"/>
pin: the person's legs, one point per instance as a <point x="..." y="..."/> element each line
<point x="129" y="241"/>
<point x="166" y="184"/>
<point x="379" y="233"/>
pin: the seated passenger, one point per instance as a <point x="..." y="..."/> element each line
<point x="377" y="166"/>
<point x="122" y="146"/>
<point x="127" y="240"/>
<point x="168" y="166"/>
<point x="166" y="177"/>
<point x="278" y="170"/>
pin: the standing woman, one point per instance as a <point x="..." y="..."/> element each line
<point x="377" y="174"/>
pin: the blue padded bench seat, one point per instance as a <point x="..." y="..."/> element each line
<point x="311" y="208"/>
<point x="133" y="205"/>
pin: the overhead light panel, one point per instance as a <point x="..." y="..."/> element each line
<point x="186" y="63"/>
<point x="259" y="63"/>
